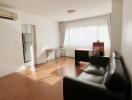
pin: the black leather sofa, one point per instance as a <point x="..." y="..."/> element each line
<point x="103" y="79"/>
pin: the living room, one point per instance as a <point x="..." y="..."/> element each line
<point x="43" y="43"/>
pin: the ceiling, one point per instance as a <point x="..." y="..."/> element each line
<point x="57" y="9"/>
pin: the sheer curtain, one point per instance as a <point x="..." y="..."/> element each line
<point x="62" y="33"/>
<point x="82" y="34"/>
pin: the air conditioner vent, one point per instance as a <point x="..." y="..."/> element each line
<point x="7" y="14"/>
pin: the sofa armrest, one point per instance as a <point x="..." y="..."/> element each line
<point x="75" y="89"/>
<point x="99" y="60"/>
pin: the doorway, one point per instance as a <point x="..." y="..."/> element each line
<point x="29" y="44"/>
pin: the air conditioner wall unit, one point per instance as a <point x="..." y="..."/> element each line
<point x="6" y="14"/>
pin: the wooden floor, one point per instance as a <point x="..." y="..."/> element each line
<point x="44" y="82"/>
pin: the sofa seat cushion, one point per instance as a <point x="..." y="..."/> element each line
<point x="91" y="78"/>
<point x="95" y="70"/>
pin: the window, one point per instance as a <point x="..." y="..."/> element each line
<point x="82" y="34"/>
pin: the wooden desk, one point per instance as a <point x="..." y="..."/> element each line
<point x="81" y="55"/>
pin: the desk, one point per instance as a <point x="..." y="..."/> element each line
<point x="81" y="55"/>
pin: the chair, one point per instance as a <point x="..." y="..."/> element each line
<point x="98" y="48"/>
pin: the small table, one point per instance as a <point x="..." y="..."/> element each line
<point x="50" y="50"/>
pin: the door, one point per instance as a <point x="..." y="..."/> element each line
<point x="29" y="44"/>
<point x="27" y="47"/>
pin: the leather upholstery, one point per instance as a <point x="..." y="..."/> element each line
<point x="91" y="78"/>
<point x="95" y="70"/>
<point x="98" y="81"/>
<point x="76" y="89"/>
<point x="116" y="78"/>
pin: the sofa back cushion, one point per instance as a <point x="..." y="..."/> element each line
<point x="110" y="71"/>
<point x="115" y="78"/>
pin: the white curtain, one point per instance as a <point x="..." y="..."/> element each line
<point x="62" y="33"/>
<point x="82" y="34"/>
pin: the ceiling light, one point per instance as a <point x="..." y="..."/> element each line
<point x="71" y="11"/>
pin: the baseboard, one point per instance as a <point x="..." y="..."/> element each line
<point x="40" y="64"/>
<point x="23" y="68"/>
<point x="13" y="72"/>
<point x="6" y="74"/>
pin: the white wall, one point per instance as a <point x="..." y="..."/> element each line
<point x="11" y="56"/>
<point x="126" y="47"/>
<point x="10" y="47"/>
<point x="47" y="34"/>
<point x="116" y="25"/>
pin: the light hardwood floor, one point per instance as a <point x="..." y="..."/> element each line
<point x="45" y="82"/>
